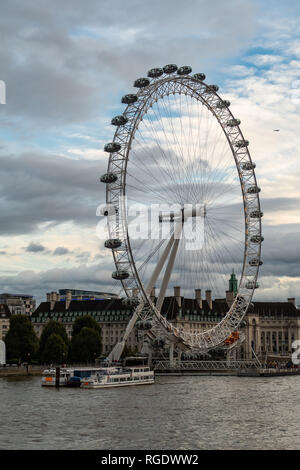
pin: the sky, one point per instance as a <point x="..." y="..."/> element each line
<point x="66" y="66"/>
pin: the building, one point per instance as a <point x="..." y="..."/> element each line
<point x="111" y="315"/>
<point x="19" y="303"/>
<point x="5" y="315"/>
<point x="269" y="327"/>
<point x="68" y="295"/>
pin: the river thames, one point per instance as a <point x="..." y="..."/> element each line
<point x="176" y="413"/>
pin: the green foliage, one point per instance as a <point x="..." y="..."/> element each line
<point x="21" y="340"/>
<point x="55" y="349"/>
<point x="56" y="328"/>
<point x="86" y="340"/>
<point x="85" y="322"/>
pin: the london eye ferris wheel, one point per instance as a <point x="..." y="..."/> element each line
<point x="180" y="166"/>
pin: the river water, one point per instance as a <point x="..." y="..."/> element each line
<point x="175" y="413"/>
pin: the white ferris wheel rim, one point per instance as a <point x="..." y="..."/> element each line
<point x="152" y="90"/>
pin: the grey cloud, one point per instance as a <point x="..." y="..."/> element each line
<point x="93" y="277"/>
<point x="36" y="188"/>
<point x="35" y="248"/>
<point x="61" y="62"/>
<point x="60" y="251"/>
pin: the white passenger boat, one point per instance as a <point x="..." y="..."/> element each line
<point x="49" y="377"/>
<point x="135" y="375"/>
<point x="71" y="377"/>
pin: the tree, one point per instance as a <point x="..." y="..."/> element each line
<point x="85" y="322"/>
<point x="56" y="328"/>
<point x="21" y="340"/>
<point x="55" y="349"/>
<point x="86" y="345"/>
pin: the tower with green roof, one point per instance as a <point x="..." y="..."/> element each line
<point x="233" y="287"/>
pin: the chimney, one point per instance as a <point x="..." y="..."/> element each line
<point x="229" y="297"/>
<point x="48" y="297"/>
<point x="177" y="295"/>
<point x="208" y="298"/>
<point x="68" y="298"/>
<point x="152" y="295"/>
<point x="198" y="297"/>
<point x="52" y="297"/>
<point x="292" y="300"/>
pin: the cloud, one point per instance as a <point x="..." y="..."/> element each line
<point x="36" y="188"/>
<point x="65" y="75"/>
<point x="60" y="251"/>
<point x="35" y="248"/>
<point x="63" y="71"/>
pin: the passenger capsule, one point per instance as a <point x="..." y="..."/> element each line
<point x="184" y="70"/>
<point x="252" y="285"/>
<point x="247" y="166"/>
<point x="109" y="210"/>
<point x="141" y="82"/>
<point x="143" y="325"/>
<point x="113" y="243"/>
<point x="119" y="120"/>
<point x="159" y="342"/>
<point x="129" y="99"/>
<point x="223" y="104"/>
<point x="233" y="122"/>
<point x="108" y="178"/>
<point x="170" y="68"/>
<point x="112" y="147"/>
<point x="257" y="239"/>
<point x="256" y="214"/>
<point x="255" y="262"/>
<point x="199" y="76"/>
<point x="241" y="144"/>
<point x="155" y="73"/>
<point x="131" y="302"/>
<point x="120" y="275"/>
<point x="253" y="189"/>
<point x="211" y="88"/>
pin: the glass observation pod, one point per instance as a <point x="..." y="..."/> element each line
<point x="119" y="120"/>
<point x="144" y="325"/>
<point x="108" y="178"/>
<point x="170" y="68"/>
<point x="223" y="104"/>
<point x="257" y="239"/>
<point x="253" y="190"/>
<point x="129" y="99"/>
<point x="199" y="76"/>
<point x="112" y="147"/>
<point x="155" y="73"/>
<point x="141" y="82"/>
<point x="248" y="166"/>
<point x="113" y="243"/>
<point x="233" y="122"/>
<point x="256" y="214"/>
<point x="131" y="302"/>
<point x="184" y="70"/>
<point x="255" y="262"/>
<point x="109" y="210"/>
<point x="241" y="143"/>
<point x="211" y="88"/>
<point x="159" y="342"/>
<point x="120" y="275"/>
<point x="252" y="285"/>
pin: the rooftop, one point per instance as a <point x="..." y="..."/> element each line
<point x="114" y="310"/>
